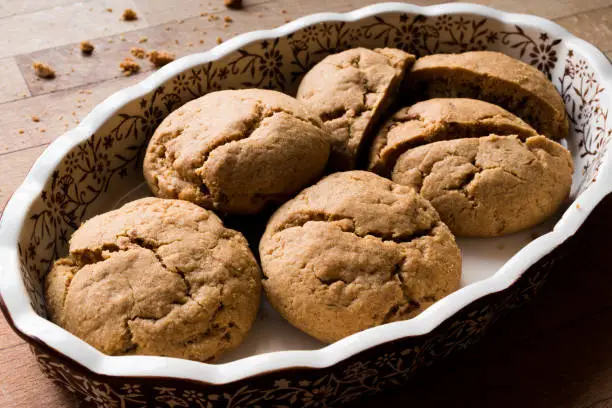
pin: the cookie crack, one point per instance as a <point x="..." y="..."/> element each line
<point x="132" y="345"/>
<point x="262" y="112"/>
<point x="348" y="224"/>
<point x="408" y="305"/>
<point x="441" y="130"/>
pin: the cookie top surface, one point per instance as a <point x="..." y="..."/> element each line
<point x="489" y="186"/>
<point x="496" y="78"/>
<point x="348" y="91"/>
<point x="440" y="119"/>
<point x="235" y="151"/>
<point x="355" y="251"/>
<point x="156" y="277"/>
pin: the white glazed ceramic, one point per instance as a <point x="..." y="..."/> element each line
<point x="95" y="167"/>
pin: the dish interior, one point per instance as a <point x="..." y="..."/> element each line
<point x="104" y="171"/>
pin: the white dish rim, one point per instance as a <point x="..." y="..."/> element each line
<point x="29" y="324"/>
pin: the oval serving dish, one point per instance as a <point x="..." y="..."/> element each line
<point x="97" y="165"/>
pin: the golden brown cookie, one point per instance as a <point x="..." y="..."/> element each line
<point x="348" y="91"/>
<point x="440" y="119"/>
<point x="235" y="151"/>
<point x="156" y="277"/>
<point x="355" y="251"/>
<point x="493" y="77"/>
<point x="489" y="186"/>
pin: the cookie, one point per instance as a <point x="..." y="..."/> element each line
<point x="355" y="251"/>
<point x="489" y="186"/>
<point x="493" y="77"/>
<point x="156" y="277"/>
<point x="348" y="91"/>
<point x="440" y="119"/>
<point x="236" y="151"/>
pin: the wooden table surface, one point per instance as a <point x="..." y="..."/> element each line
<point x="555" y="352"/>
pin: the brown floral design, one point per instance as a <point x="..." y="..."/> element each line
<point x="93" y="175"/>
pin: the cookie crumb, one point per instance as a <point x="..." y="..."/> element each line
<point x="60" y="117"/>
<point x="577" y="206"/>
<point x="122" y="37"/>
<point x="110" y="41"/>
<point x="219" y="40"/>
<point x="201" y="41"/>
<point x="129" y="15"/>
<point x="213" y="17"/>
<point x="138" y="52"/>
<point x="129" y="66"/>
<point x="160" y="58"/>
<point x="42" y="130"/>
<point x="283" y="11"/>
<point x="190" y="44"/>
<point x="21" y="131"/>
<point x="203" y="14"/>
<point x="226" y="25"/>
<point x="233" y="4"/>
<point x="35" y="118"/>
<point x="110" y="10"/>
<point x="176" y="42"/>
<point x="87" y="47"/>
<point x="228" y="19"/>
<point x="168" y="28"/>
<point x="43" y="70"/>
<point x="143" y="39"/>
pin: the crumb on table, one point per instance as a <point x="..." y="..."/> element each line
<point x="228" y="19"/>
<point x="21" y="131"/>
<point x="129" y="15"/>
<point x="110" y="10"/>
<point x="129" y="66"/>
<point x="43" y="70"/>
<point x="35" y="118"/>
<point x="235" y="4"/>
<point x="143" y="39"/>
<point x="160" y="58"/>
<point x="219" y="40"/>
<point x="138" y="52"/>
<point x="87" y="47"/>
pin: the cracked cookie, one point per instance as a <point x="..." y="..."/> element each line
<point x="489" y="186"/>
<point x="440" y="119"/>
<point x="235" y="151"/>
<point x="493" y="77"/>
<point x="355" y="251"/>
<point x="349" y="91"/>
<point x="156" y="277"/>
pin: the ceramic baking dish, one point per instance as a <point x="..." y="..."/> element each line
<point x="96" y="166"/>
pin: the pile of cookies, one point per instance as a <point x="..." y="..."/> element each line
<point x="449" y="145"/>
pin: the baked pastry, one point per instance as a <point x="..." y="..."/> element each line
<point x="348" y="91"/>
<point x="440" y="119"/>
<point x="493" y="77"/>
<point x="235" y="151"/>
<point x="491" y="185"/>
<point x="355" y="251"/>
<point x="156" y="277"/>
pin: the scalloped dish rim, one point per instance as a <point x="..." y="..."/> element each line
<point x="28" y="324"/>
